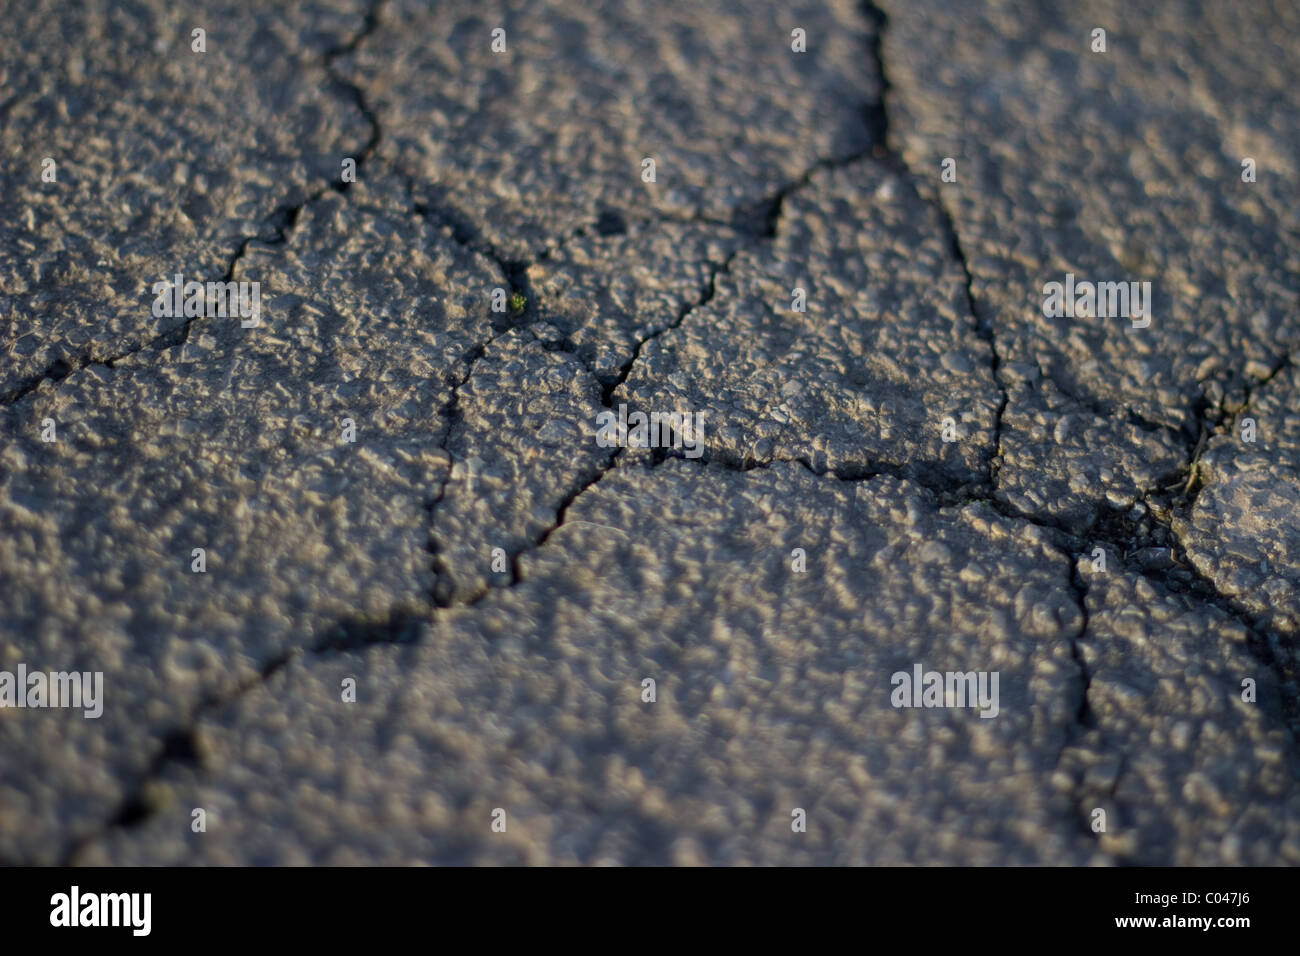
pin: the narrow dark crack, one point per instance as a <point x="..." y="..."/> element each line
<point x="1083" y="716"/>
<point x="561" y="513"/>
<point x="57" y="371"/>
<point x="450" y="413"/>
<point x="878" y="121"/>
<point x="463" y="230"/>
<point x="618" y="222"/>
<point x="625" y="370"/>
<point x="758" y="220"/>
<point x="1084" y="719"/>
<point x="65" y="366"/>
<point x="402" y="626"/>
<point x="358" y="95"/>
<point x="516" y="277"/>
<point x="607" y="401"/>
<point x="180" y="747"/>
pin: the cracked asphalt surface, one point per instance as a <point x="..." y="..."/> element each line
<point x="1099" y="530"/>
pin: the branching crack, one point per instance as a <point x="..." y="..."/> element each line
<point x="1120" y="527"/>
<point x="442" y="598"/>
<point x="465" y="234"/>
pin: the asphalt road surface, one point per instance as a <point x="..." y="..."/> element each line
<point x="366" y="585"/>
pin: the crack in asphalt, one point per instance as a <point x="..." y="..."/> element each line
<point x="514" y="274"/>
<point x="1084" y="720"/>
<point x="180" y="746"/>
<point x="607" y="398"/>
<point x="1214" y="420"/>
<point x="878" y="121"/>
